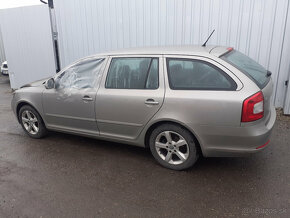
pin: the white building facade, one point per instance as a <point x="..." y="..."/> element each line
<point x="258" y="28"/>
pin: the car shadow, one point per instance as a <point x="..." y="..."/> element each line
<point x="109" y="148"/>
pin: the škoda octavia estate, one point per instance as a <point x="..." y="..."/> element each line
<point x="181" y="102"/>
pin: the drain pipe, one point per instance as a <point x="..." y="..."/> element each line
<point x="54" y="33"/>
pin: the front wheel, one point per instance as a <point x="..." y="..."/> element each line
<point x="173" y="147"/>
<point x="31" y="122"/>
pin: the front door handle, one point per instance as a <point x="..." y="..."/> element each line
<point x="87" y="98"/>
<point x="151" y="101"/>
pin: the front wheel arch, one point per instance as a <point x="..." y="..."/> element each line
<point x="24" y="103"/>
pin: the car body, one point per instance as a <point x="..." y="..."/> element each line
<point x="4" y="68"/>
<point x="101" y="96"/>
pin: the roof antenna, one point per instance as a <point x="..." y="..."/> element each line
<point x="204" y="44"/>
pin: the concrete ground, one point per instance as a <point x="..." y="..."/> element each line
<point x="71" y="176"/>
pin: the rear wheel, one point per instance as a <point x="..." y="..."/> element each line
<point x="173" y="147"/>
<point x="31" y="122"/>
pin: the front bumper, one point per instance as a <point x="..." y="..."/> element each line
<point x="239" y="141"/>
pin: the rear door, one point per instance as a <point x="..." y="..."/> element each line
<point x="202" y="93"/>
<point x="131" y="92"/>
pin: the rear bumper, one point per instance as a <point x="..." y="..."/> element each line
<point x="4" y="72"/>
<point x="239" y="141"/>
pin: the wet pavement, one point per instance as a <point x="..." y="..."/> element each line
<point x="70" y="176"/>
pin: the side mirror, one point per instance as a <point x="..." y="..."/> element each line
<point x="49" y="84"/>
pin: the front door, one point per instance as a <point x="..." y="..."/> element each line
<point x="71" y="105"/>
<point x="130" y="94"/>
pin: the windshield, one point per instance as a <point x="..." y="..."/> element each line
<point x="248" y="66"/>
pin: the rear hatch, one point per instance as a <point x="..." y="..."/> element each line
<point x="257" y="73"/>
<point x="267" y="92"/>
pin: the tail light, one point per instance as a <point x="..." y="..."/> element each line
<point x="253" y="108"/>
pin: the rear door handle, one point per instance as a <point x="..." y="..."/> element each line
<point x="87" y="98"/>
<point x="151" y="101"/>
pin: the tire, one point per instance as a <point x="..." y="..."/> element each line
<point x="170" y="154"/>
<point x="32" y="122"/>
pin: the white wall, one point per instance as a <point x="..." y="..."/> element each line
<point x="285" y="65"/>
<point x="255" y="27"/>
<point x="2" y="52"/>
<point x="28" y="44"/>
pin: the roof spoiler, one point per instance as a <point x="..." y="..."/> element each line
<point x="219" y="51"/>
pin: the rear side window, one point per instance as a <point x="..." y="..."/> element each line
<point x="133" y="73"/>
<point x="248" y="66"/>
<point x="189" y="74"/>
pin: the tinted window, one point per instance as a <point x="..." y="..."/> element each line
<point x="133" y="73"/>
<point x="248" y="66"/>
<point x="198" y="75"/>
<point x="82" y="75"/>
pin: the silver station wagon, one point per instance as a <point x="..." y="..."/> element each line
<point x="181" y="102"/>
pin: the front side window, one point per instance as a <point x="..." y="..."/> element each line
<point x="82" y="75"/>
<point x="189" y="74"/>
<point x="133" y="73"/>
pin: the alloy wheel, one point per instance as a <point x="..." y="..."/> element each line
<point x="30" y="122"/>
<point x="172" y="147"/>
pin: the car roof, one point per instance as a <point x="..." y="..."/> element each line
<point x="171" y="50"/>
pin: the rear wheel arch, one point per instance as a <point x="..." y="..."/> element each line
<point x="155" y="125"/>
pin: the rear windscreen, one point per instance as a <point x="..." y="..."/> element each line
<point x="248" y="66"/>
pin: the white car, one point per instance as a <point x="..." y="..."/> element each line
<point x="4" y="68"/>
